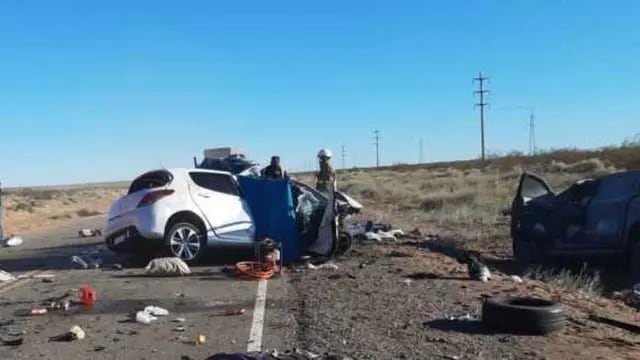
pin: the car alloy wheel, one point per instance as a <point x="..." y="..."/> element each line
<point x="184" y="242"/>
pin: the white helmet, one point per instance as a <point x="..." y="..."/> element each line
<point x="324" y="153"/>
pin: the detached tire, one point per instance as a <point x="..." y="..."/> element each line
<point x="523" y="316"/>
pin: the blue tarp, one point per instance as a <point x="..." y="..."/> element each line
<point x="271" y="206"/>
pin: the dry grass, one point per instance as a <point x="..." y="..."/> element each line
<point x="29" y="209"/>
<point x="583" y="281"/>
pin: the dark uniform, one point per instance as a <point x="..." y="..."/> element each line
<point x="274" y="170"/>
<point x="325" y="178"/>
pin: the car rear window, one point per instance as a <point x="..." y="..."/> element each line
<point x="150" y="180"/>
<point x="216" y="182"/>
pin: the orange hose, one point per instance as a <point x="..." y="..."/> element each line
<point x="255" y="269"/>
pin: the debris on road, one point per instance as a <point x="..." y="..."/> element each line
<point x="75" y="333"/>
<point x="156" y="311"/>
<point x="201" y="339"/>
<point x="5" y="276"/>
<point x="180" y="320"/>
<point x="87" y="295"/>
<point x="254" y="270"/>
<point x="234" y="312"/>
<point x="12" y="241"/>
<point x="476" y="267"/>
<point x="179" y="328"/>
<point x="325" y="266"/>
<point x="89" y="232"/>
<point x="516" y="279"/>
<point x="145" y="318"/>
<point x="168" y="266"/>
<point x="464" y="316"/>
<point x="116" y="266"/>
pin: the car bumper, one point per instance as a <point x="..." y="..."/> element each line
<point x="146" y="221"/>
<point x="130" y="240"/>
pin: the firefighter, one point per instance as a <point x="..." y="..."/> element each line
<point x="326" y="177"/>
<point x="274" y="171"/>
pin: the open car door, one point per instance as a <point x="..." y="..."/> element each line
<point x="531" y="187"/>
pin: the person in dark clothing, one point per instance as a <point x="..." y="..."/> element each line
<point x="274" y="170"/>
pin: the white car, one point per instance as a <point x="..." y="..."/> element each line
<point x="171" y="210"/>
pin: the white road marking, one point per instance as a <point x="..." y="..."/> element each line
<point x="255" y="334"/>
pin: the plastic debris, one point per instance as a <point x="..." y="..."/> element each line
<point x="169" y="266"/>
<point x="12" y="241"/>
<point x="87" y="295"/>
<point x="325" y="266"/>
<point x="89" y="232"/>
<point x="75" y="333"/>
<point x="201" y="339"/>
<point x="408" y="281"/>
<point x="465" y="316"/>
<point x="516" y="279"/>
<point x="145" y="318"/>
<point x="372" y="236"/>
<point x="116" y="267"/>
<point x="234" y="312"/>
<point x="5" y="276"/>
<point x="156" y="311"/>
<point x="180" y="320"/>
<point x="38" y="311"/>
<point x="179" y="328"/>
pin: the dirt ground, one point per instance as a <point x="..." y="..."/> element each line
<point x="369" y="310"/>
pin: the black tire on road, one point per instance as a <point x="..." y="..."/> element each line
<point x="524" y="316"/>
<point x="186" y="229"/>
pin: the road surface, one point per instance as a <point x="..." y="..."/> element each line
<point x="199" y="298"/>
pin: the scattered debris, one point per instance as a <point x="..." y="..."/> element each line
<point x="408" y="281"/>
<point x="116" y="266"/>
<point x="476" y="266"/>
<point x="89" y="232"/>
<point x="463" y="316"/>
<point x="327" y="266"/>
<point x="38" y="311"/>
<point x="399" y="254"/>
<point x="516" y="279"/>
<point x="617" y="323"/>
<point x="99" y="348"/>
<point x="234" y="312"/>
<point x="156" y="311"/>
<point x="87" y="296"/>
<point x="372" y="236"/>
<point x="180" y="320"/>
<point x="145" y="318"/>
<point x="75" y="333"/>
<point x="12" y="342"/>
<point x="201" y="339"/>
<point x="422" y="276"/>
<point x="168" y="266"/>
<point x="179" y="328"/>
<point x="631" y="297"/>
<point x="12" y="241"/>
<point x="5" y="276"/>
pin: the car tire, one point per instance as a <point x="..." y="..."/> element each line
<point x="344" y="243"/>
<point x="186" y="241"/>
<point x="523" y="316"/>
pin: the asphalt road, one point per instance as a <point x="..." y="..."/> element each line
<point x="200" y="298"/>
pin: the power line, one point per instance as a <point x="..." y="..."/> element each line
<point x="532" y="134"/>
<point x="481" y="91"/>
<point x="377" y="140"/>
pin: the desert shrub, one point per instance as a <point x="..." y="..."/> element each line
<point x="438" y="200"/>
<point x="60" y="216"/>
<point x="87" y="212"/>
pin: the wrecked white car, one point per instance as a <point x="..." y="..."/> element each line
<point x="184" y="212"/>
<point x="593" y="217"/>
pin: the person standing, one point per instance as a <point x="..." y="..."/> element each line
<point x="326" y="176"/>
<point x="274" y="171"/>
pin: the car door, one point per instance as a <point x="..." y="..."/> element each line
<point x="218" y="197"/>
<point x="528" y="212"/>
<point x="605" y="213"/>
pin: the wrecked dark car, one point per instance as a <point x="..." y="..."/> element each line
<point x="593" y="217"/>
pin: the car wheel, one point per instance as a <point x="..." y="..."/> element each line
<point x="186" y="241"/>
<point x="344" y="243"/>
<point x="525" y="316"/>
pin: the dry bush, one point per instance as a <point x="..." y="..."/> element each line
<point x="87" y="212"/>
<point x="583" y="281"/>
<point x="437" y="201"/>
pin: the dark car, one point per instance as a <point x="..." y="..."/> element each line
<point x="593" y="217"/>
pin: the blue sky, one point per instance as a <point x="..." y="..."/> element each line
<point x="103" y="90"/>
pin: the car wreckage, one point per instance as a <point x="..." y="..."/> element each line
<point x="592" y="217"/>
<point x="185" y="212"/>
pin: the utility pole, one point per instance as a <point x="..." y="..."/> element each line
<point x="1" y="216"/>
<point x="532" y="134"/>
<point x="421" y="156"/>
<point x="481" y="91"/>
<point x="377" y="139"/>
<point x="344" y="163"/>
